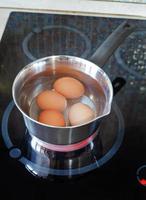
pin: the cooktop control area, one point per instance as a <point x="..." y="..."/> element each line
<point x="113" y="164"/>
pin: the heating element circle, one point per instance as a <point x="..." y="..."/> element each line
<point x="61" y="34"/>
<point x="131" y="56"/>
<point x="37" y="169"/>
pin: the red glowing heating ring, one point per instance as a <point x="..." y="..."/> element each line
<point x="67" y="148"/>
<point x="143" y="182"/>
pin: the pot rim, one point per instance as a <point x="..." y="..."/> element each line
<point x="55" y="57"/>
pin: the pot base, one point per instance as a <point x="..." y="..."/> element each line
<point x="63" y="148"/>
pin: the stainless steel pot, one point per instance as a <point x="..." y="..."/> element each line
<point x="34" y="78"/>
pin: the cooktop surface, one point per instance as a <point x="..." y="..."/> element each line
<point x="119" y="172"/>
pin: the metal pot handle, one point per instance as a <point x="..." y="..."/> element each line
<point x="112" y="42"/>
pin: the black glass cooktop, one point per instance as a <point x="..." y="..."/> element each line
<point x="119" y="172"/>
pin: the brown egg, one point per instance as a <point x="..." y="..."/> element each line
<point x="51" y="100"/>
<point x="52" y="117"/>
<point x="69" y="87"/>
<point x="80" y="113"/>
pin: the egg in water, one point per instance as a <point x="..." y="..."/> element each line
<point x="69" y="87"/>
<point x="80" y="113"/>
<point x="52" y="117"/>
<point x="49" y="99"/>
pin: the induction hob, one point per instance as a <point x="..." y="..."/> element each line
<point x="120" y="172"/>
